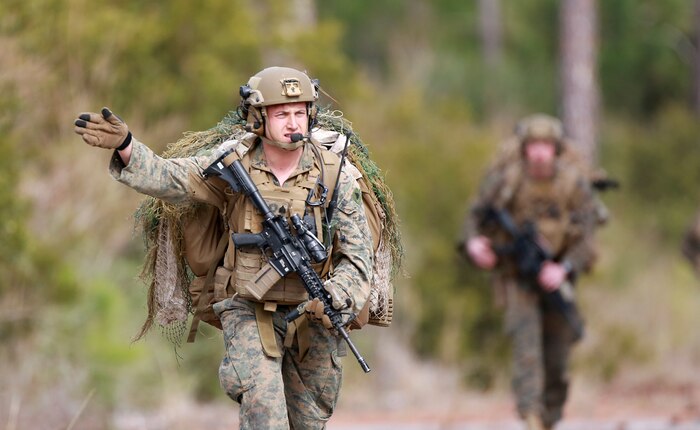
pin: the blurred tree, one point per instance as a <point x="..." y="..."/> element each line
<point x="578" y="73"/>
<point x="369" y="25"/>
<point x="696" y="57"/>
<point x="644" y="63"/>
<point x="491" y="31"/>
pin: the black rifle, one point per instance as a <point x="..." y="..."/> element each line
<point x="287" y="253"/>
<point x="529" y="256"/>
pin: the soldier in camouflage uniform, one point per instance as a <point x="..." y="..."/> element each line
<point x="535" y="180"/>
<point x="283" y="375"/>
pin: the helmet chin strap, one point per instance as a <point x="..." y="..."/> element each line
<point x="287" y="146"/>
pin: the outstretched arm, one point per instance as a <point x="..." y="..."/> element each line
<point x="174" y="180"/>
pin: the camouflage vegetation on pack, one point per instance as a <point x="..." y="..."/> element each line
<point x="154" y="213"/>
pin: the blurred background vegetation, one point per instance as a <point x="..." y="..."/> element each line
<point x="414" y="79"/>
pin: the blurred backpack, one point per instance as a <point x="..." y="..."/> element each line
<point x="186" y="243"/>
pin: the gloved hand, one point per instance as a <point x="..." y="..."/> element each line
<point x="315" y="312"/>
<point x="104" y="130"/>
<point x="315" y="309"/>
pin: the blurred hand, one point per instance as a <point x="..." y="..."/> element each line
<point x="480" y="250"/>
<point x="551" y="276"/>
<point x="104" y="130"/>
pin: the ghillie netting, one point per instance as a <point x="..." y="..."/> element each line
<point x="165" y="270"/>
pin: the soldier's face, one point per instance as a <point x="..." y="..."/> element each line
<point x="540" y="156"/>
<point x="284" y="120"/>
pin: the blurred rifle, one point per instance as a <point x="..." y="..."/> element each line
<point x="605" y="184"/>
<point x="529" y="256"/>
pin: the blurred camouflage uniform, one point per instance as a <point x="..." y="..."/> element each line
<point x="564" y="211"/>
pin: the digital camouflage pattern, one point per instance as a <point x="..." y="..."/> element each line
<point x="310" y="382"/>
<point x="277" y="393"/>
<point x="564" y="212"/>
<point x="541" y="345"/>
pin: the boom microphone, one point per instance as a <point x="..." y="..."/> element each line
<point x="296" y="137"/>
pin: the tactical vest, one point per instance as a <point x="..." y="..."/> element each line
<point x="546" y="203"/>
<point x="285" y="201"/>
<point x="240" y="267"/>
<point x="543" y="204"/>
<point x="223" y="270"/>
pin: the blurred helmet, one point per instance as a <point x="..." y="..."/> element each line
<point x="540" y="126"/>
<point x="273" y="86"/>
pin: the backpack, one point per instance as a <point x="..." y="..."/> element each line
<point x="185" y="243"/>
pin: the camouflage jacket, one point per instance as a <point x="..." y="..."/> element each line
<point x="180" y="180"/>
<point x="562" y="209"/>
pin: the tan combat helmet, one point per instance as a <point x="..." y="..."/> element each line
<point x="540" y="126"/>
<point x="272" y="86"/>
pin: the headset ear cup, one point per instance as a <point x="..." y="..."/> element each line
<point x="313" y="111"/>
<point x="254" y="121"/>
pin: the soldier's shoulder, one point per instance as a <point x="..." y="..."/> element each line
<point x="241" y="144"/>
<point x="329" y="157"/>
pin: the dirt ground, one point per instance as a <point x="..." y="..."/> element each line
<point x="433" y="399"/>
<point x="611" y="410"/>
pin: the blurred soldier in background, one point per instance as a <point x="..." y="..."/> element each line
<point x="284" y="375"/>
<point x="538" y="185"/>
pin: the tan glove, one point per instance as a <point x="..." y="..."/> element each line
<point x="104" y="130"/>
<point x="340" y="302"/>
<point x="314" y="312"/>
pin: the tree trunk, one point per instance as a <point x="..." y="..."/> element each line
<point x="578" y="74"/>
<point x="696" y="59"/>
<point x="492" y="50"/>
<point x="491" y="31"/>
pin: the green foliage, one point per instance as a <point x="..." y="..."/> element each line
<point x="527" y="66"/>
<point x="13" y="209"/>
<point x="621" y="346"/>
<point x="452" y="309"/>
<point x="646" y="57"/>
<point x="661" y="164"/>
<point x="365" y="23"/>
